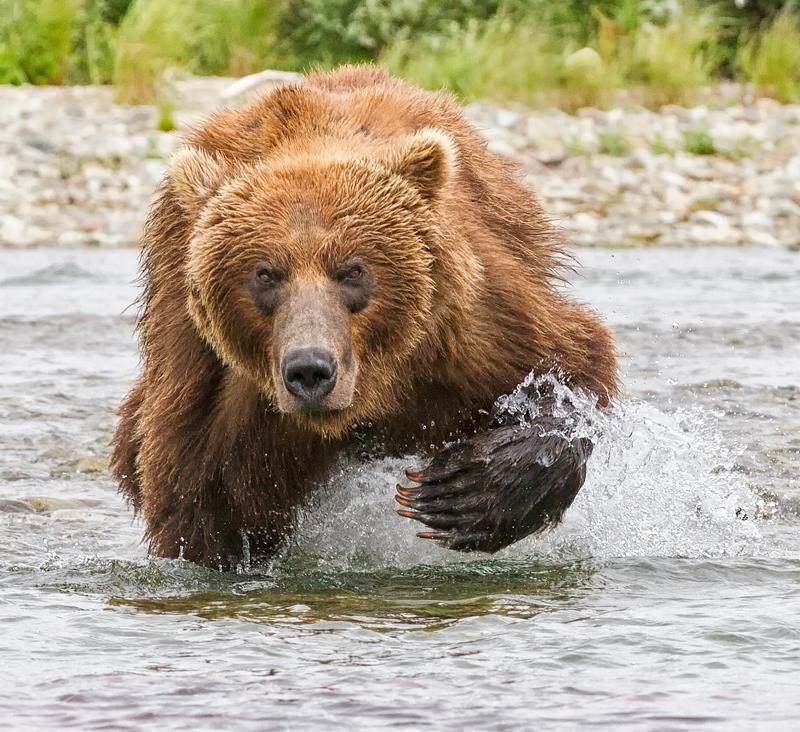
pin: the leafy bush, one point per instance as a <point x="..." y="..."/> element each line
<point x="738" y="20"/>
<point x="331" y="32"/>
<point x="570" y="53"/>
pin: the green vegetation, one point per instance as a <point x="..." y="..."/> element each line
<point x="222" y="37"/>
<point x="166" y="109"/>
<point x="771" y="59"/>
<point x="509" y="57"/>
<point x="699" y="142"/>
<point x="569" y="53"/>
<point x="660" y="146"/>
<point x="668" y="62"/>
<point x="705" y="204"/>
<point x="35" y="41"/>
<point x="132" y="42"/>
<point x="331" y="32"/>
<point x="614" y="143"/>
<point x="513" y="61"/>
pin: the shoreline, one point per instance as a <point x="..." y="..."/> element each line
<point x="78" y="170"/>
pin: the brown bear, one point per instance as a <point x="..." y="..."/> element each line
<point x="342" y="268"/>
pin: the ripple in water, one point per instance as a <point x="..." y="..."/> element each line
<point x="52" y="274"/>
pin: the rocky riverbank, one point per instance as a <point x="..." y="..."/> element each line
<point x="77" y="169"/>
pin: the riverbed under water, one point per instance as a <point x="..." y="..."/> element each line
<point x="668" y="600"/>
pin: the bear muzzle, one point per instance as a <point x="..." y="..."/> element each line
<point x="314" y="369"/>
<point x="310" y="374"/>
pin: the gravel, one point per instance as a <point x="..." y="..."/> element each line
<point x="77" y="169"/>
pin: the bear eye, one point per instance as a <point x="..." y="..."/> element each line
<point x="265" y="287"/>
<point x="351" y="274"/>
<point x="267" y="276"/>
<point x="356" y="284"/>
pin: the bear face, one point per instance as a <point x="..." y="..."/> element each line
<point x="315" y="275"/>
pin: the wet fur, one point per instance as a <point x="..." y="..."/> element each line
<point x="201" y="449"/>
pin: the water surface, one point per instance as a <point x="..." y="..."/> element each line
<point x="668" y="600"/>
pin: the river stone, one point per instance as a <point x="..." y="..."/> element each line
<point x="758" y="220"/>
<point x="89" y="465"/>
<point x="87" y="173"/>
<point x="75" y="514"/>
<point x="9" y="505"/>
<point x="584" y="63"/>
<point x="44" y="503"/>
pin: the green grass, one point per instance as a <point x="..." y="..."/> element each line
<point x="495" y="59"/>
<point x="706" y="204"/>
<point x="35" y="40"/>
<point x="660" y="146"/>
<point x="771" y="60"/>
<point x="614" y="143"/>
<point x="576" y="148"/>
<point x="505" y="60"/>
<point x="699" y="142"/>
<point x="132" y="43"/>
<point x="166" y="114"/>
<point x="518" y="58"/>
<point x="668" y="63"/>
<point x="221" y="37"/>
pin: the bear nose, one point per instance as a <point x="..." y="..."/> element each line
<point x="309" y="373"/>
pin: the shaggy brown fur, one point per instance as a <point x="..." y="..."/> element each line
<point x="463" y="304"/>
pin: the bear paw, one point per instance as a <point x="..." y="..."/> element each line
<point x="496" y="488"/>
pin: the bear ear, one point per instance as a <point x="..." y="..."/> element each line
<point x="197" y="177"/>
<point x="427" y="159"/>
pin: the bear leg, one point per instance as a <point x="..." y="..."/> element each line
<point x="125" y="448"/>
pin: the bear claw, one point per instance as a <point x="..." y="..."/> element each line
<point x="403" y="491"/>
<point x="495" y="489"/>
<point x="435" y="535"/>
<point x="463" y="542"/>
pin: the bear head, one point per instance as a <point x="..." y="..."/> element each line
<point x="314" y="272"/>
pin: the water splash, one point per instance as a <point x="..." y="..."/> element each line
<point x="353" y="525"/>
<point x="658" y="485"/>
<point x="575" y="411"/>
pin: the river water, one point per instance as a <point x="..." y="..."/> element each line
<point x="668" y="600"/>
